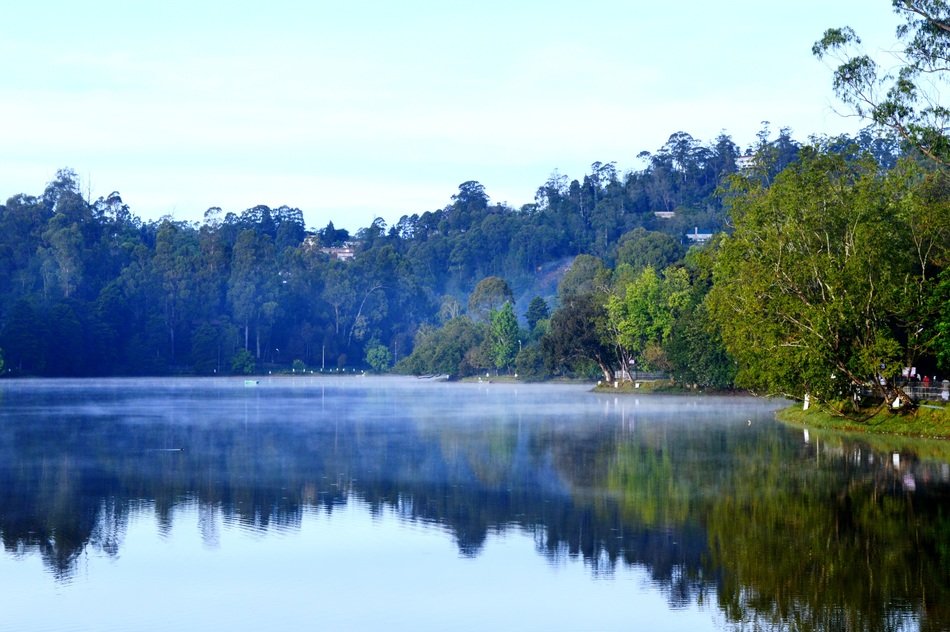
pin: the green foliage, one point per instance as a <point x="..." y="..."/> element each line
<point x="942" y="324"/>
<point x="537" y="311"/>
<point x="490" y="294"/>
<point x="904" y="96"/>
<point x="587" y="274"/>
<point x="378" y="357"/>
<point x="504" y="336"/>
<point x="529" y="363"/>
<point x="23" y="339"/>
<point x="696" y="353"/>
<point x="641" y="248"/>
<point x="332" y="236"/>
<point x="205" y="350"/>
<point x="252" y="284"/>
<point x="576" y="338"/>
<point x="171" y="297"/>
<point x="640" y="315"/>
<point x="242" y="363"/>
<point x="824" y="285"/>
<point x="443" y="351"/>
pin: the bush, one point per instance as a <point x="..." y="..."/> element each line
<point x="243" y="363"/>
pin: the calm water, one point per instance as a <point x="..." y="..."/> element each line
<point x="399" y="504"/>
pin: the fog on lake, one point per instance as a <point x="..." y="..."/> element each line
<point x="401" y="503"/>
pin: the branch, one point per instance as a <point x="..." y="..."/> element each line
<point x="910" y="7"/>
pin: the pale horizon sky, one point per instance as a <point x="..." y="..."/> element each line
<point x="356" y="110"/>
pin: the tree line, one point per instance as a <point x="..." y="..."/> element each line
<point x="831" y="281"/>
<point x="88" y="288"/>
<point x="596" y="278"/>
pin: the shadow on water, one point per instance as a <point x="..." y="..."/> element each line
<point x="718" y="503"/>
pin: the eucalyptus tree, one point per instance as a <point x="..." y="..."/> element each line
<point x="177" y="263"/>
<point x="903" y="95"/>
<point x="587" y="275"/>
<point x="22" y="221"/>
<point x="67" y="234"/>
<point x="252" y="286"/>
<point x="62" y="255"/>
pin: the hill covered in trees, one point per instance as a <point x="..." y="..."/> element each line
<point x="600" y="276"/>
<point x="87" y="288"/>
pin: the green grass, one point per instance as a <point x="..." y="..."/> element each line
<point x="930" y="421"/>
<point x="667" y="387"/>
<point x="495" y="379"/>
<point x="645" y="386"/>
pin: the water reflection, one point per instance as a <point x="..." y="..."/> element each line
<point x="716" y="502"/>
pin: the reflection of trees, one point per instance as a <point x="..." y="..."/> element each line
<point x="646" y="487"/>
<point x="784" y="536"/>
<point x="856" y="551"/>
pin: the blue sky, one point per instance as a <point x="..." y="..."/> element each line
<point x="353" y="110"/>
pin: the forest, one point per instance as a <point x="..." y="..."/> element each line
<point x="600" y="275"/>
<point x="816" y="269"/>
<point x="604" y="276"/>
<point x="87" y="288"/>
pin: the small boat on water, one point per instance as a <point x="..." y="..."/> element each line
<point x="251" y="382"/>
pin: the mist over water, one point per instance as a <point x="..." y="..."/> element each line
<point x="368" y="503"/>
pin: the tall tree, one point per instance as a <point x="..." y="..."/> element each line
<point x="578" y="335"/>
<point x="586" y="275"/>
<point x="537" y="311"/>
<point x="825" y="285"/>
<point x="491" y="293"/>
<point x="177" y="263"/>
<point x="641" y="313"/>
<point x="252" y="283"/>
<point x="504" y="336"/>
<point x="905" y="95"/>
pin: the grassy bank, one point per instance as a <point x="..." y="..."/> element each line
<point x="640" y="386"/>
<point x="667" y="387"/>
<point x="930" y="421"/>
<point x="512" y="379"/>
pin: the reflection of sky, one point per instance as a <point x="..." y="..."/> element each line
<point x="344" y="571"/>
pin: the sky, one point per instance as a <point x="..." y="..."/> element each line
<point x="362" y="109"/>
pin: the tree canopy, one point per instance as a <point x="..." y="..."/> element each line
<point x="827" y="284"/>
<point x="904" y="94"/>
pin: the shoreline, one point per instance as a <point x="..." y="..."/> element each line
<point x="931" y="422"/>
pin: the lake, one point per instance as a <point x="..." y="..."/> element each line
<point x="402" y="504"/>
